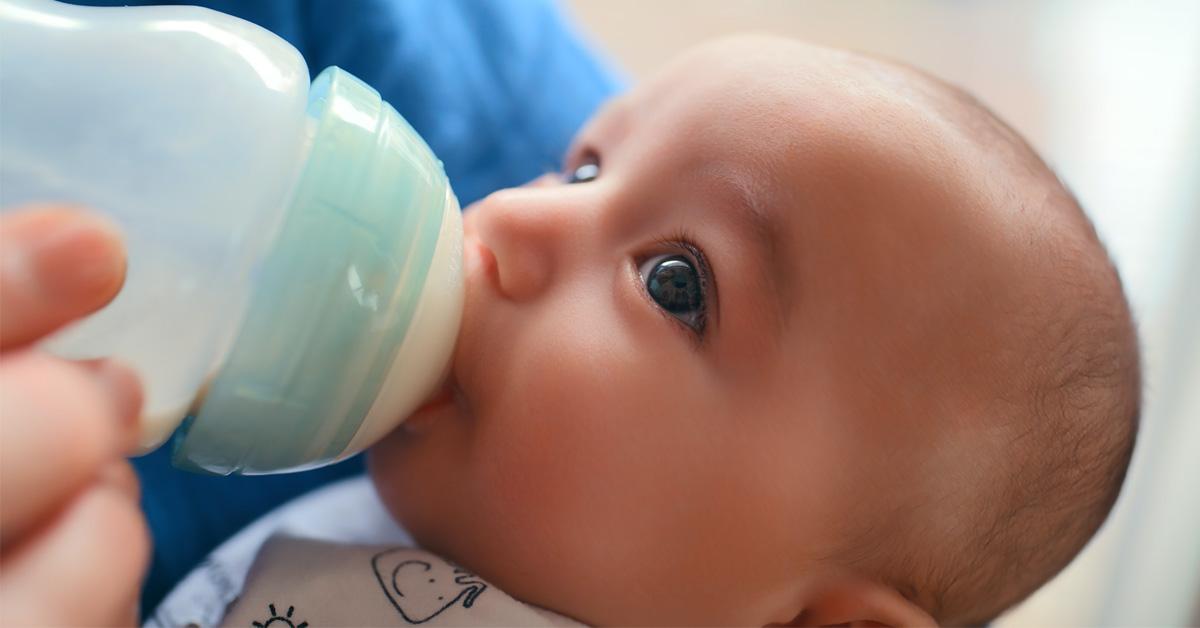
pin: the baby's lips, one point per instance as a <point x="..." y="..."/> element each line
<point x="443" y="395"/>
<point x="444" y="398"/>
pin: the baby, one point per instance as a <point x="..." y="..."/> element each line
<point x="799" y="337"/>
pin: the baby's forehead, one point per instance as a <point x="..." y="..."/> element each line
<point x="785" y="104"/>
<point x="801" y="124"/>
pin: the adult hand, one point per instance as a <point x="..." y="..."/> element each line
<point x="73" y="542"/>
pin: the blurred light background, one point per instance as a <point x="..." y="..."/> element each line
<point x="1108" y="91"/>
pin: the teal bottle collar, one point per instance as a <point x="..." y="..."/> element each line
<point x="334" y="298"/>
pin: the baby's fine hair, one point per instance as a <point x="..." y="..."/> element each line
<point x="1073" y="397"/>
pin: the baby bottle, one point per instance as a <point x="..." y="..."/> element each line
<point x="294" y="278"/>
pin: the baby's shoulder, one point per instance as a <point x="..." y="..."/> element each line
<point x="307" y="582"/>
<point x="335" y="557"/>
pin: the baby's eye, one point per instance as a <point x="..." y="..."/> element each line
<point x="585" y="172"/>
<point x="677" y="287"/>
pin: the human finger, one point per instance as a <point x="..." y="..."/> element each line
<point x="60" y="424"/>
<point x="57" y="264"/>
<point x="85" y="567"/>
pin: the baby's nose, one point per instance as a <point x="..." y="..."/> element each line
<point x="527" y="235"/>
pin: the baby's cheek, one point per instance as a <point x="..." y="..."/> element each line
<point x="561" y="467"/>
<point x="614" y="461"/>
<point x="564" y="408"/>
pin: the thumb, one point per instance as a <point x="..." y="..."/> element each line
<point x="56" y="265"/>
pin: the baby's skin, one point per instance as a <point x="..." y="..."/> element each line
<point x="771" y="322"/>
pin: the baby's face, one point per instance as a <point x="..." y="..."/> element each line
<point x="681" y="380"/>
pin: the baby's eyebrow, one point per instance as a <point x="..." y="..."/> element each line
<point x="760" y="227"/>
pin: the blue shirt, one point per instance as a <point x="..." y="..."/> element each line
<point x="496" y="87"/>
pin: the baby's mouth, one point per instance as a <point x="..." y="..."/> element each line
<point x="443" y="395"/>
<point x="443" y="399"/>
<point x="450" y="396"/>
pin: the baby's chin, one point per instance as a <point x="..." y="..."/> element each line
<point x="417" y="466"/>
<point x="411" y="509"/>
<point x="387" y="466"/>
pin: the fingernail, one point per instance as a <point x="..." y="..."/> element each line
<point x="78" y="258"/>
<point x="125" y="392"/>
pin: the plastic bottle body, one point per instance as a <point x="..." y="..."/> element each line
<point x="294" y="271"/>
<point x="172" y="121"/>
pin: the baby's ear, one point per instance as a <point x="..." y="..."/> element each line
<point x="860" y="602"/>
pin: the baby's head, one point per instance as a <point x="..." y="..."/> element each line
<point x="800" y="336"/>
